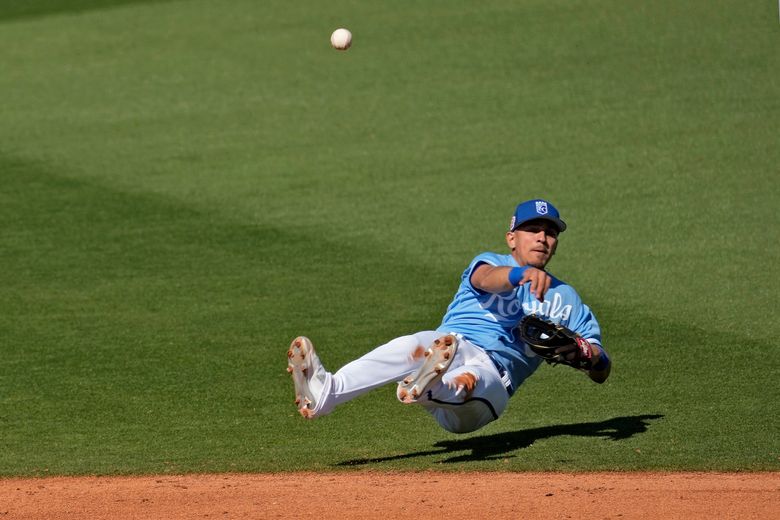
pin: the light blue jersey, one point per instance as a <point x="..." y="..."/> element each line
<point x="488" y="320"/>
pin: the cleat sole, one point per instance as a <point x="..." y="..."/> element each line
<point x="437" y="359"/>
<point x="298" y="365"/>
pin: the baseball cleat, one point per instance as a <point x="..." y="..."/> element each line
<point x="437" y="359"/>
<point x="309" y="376"/>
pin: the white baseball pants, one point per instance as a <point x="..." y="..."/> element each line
<point x="393" y="361"/>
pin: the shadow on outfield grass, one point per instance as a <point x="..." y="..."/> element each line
<point x="497" y="446"/>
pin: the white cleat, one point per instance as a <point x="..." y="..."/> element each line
<point x="437" y="360"/>
<point x="309" y="376"/>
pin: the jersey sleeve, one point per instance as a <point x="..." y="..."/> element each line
<point x="482" y="258"/>
<point x="583" y="322"/>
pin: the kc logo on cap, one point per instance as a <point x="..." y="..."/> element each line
<point x="541" y="207"/>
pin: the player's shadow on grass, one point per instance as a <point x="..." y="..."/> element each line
<point x="499" y="445"/>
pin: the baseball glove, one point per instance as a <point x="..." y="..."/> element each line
<point x="555" y="343"/>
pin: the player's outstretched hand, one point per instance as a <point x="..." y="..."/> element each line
<point x="494" y="279"/>
<point x="540" y="281"/>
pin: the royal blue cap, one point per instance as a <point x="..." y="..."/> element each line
<point x="536" y="209"/>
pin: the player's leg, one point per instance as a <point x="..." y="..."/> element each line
<point x="318" y="391"/>
<point x="471" y="393"/>
<point x="388" y="363"/>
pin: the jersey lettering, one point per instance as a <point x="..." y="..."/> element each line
<point x="509" y="306"/>
<point x="505" y="306"/>
<point x="554" y="309"/>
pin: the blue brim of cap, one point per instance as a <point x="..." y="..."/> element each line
<point x="558" y="222"/>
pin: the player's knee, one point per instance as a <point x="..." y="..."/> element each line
<point x="467" y="419"/>
<point x="409" y="347"/>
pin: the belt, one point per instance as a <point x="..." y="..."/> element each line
<point x="504" y="375"/>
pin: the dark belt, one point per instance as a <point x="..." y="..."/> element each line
<point x="504" y="375"/>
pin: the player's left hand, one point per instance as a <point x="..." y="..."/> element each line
<point x="573" y="353"/>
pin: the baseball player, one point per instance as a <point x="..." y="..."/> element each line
<point x="465" y="371"/>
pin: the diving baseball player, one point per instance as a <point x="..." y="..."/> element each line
<point x="465" y="371"/>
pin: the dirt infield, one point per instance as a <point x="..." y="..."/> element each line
<point x="378" y="495"/>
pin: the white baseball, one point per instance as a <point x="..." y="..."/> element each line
<point x="341" y="39"/>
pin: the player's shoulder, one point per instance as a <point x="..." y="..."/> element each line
<point x="494" y="259"/>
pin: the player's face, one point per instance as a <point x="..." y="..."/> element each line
<point x="533" y="243"/>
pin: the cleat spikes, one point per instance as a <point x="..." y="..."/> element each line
<point x="308" y="376"/>
<point x="438" y="358"/>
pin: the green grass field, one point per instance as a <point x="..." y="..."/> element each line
<point x="188" y="185"/>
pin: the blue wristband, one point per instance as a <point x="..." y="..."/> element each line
<point x="515" y="274"/>
<point x="603" y="361"/>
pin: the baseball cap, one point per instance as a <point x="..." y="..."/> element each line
<point x="536" y="209"/>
